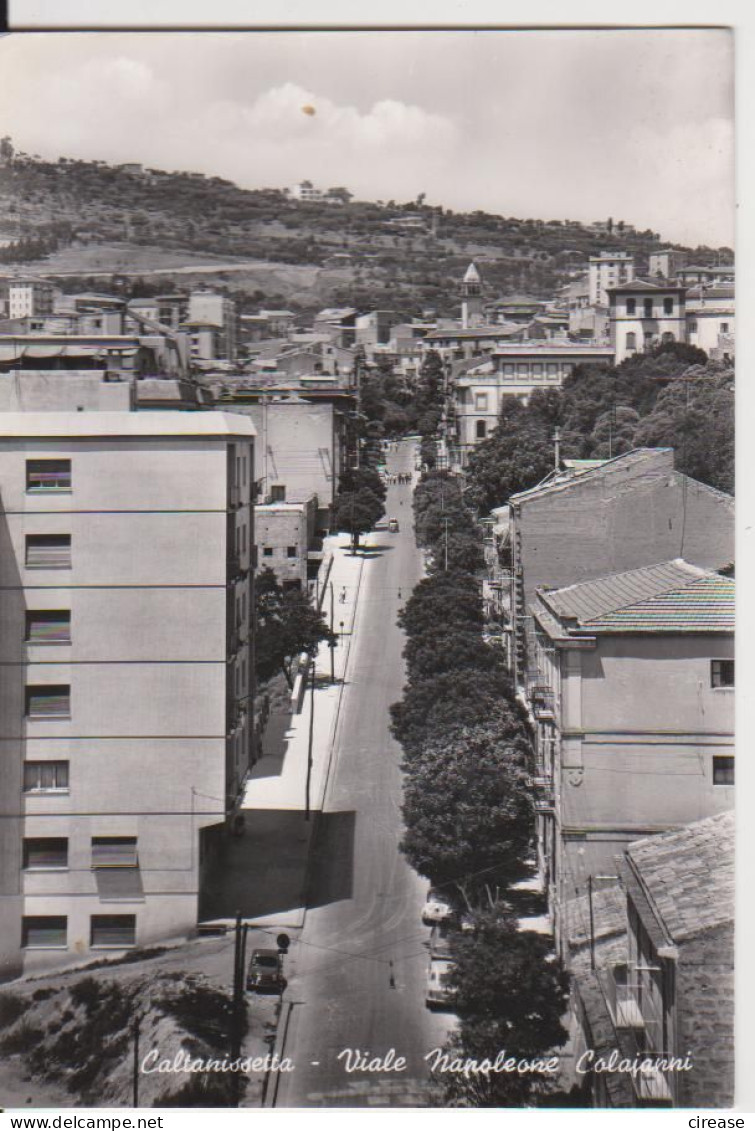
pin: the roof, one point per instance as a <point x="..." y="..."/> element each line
<point x="618" y="464"/>
<point x="672" y="596"/>
<point x="85" y="425"/>
<point x="472" y="275"/>
<point x="335" y="313"/>
<point x="688" y="876"/>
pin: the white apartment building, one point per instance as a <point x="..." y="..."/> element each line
<point x="30" y="297"/>
<point x="513" y="370"/>
<point x="644" y="315"/>
<point x="609" y="269"/>
<point x="127" y="672"/>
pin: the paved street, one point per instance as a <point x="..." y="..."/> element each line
<point x="357" y="971"/>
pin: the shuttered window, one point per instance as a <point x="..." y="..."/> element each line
<point x="48" y="626"/>
<point x="723" y="769"/>
<point x="48" y="701"/>
<point x="114" y="852"/>
<point x="42" y="776"/>
<point x="46" y="852"/>
<point x="48" y="551"/>
<point x="44" y="930"/>
<point x="48" y="475"/>
<point x="113" y="930"/>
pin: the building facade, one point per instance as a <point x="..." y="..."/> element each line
<point x="607" y="270"/>
<point x="644" y="315"/>
<point x="127" y="658"/>
<point x="632" y="694"/>
<point x="284" y="533"/>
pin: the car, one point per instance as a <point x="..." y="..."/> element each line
<point x="265" y="971"/>
<point x="393" y="525"/>
<point x="381" y="524"/>
<point x="439" y="992"/>
<point x="436" y="909"/>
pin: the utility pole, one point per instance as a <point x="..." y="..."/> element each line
<point x="311" y="736"/>
<point x="557" y="448"/>
<point x="137" y="1030"/>
<point x="445" y="542"/>
<point x="237" y="1006"/>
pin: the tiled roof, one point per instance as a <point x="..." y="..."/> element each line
<point x="669" y="597"/>
<point x="688" y="875"/>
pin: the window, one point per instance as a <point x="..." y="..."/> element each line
<point x="631" y="305"/>
<point x="692" y="326"/>
<point x="648" y="307"/>
<point x="482" y="429"/>
<point x="291" y="551"/>
<point x="48" y="551"/>
<point x="722" y="673"/>
<point x="537" y="370"/>
<point x="48" y="627"/>
<point x="552" y="367"/>
<point x="723" y="769"/>
<point x="113" y="930"/>
<point x="267" y="551"/>
<point x="631" y="341"/>
<point x="48" y="475"/>
<point x="522" y="368"/>
<point x="508" y="369"/>
<point x="45" y="777"/>
<point x="668" y="306"/>
<point x="48" y="701"/>
<point x="44" y="931"/>
<point x="278" y="493"/>
<point x="724" y="327"/>
<point x="114" y="852"/>
<point x="481" y="402"/>
<point x="45" y="852"/>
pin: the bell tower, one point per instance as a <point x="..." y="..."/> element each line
<point x="471" y="298"/>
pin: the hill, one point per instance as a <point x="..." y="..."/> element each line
<point x="64" y="216"/>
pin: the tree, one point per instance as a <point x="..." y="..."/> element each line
<point x="360" y="479"/>
<point x="356" y="512"/>
<point x="451" y="598"/>
<point x="451" y="698"/>
<point x="286" y="626"/>
<point x="517" y="456"/>
<point x="468" y="806"/>
<point x="614" y="432"/>
<point x="510" y="994"/>
<point x="445" y="648"/>
<point x="459" y="549"/>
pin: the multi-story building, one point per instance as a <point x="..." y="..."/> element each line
<point x="720" y="276"/>
<point x="644" y="315"/>
<point x="211" y="323"/>
<point x="710" y="318"/>
<point x="666" y="264"/>
<point x="29" y="297"/>
<point x="513" y="370"/>
<point x="127" y="672"/>
<point x="284" y="533"/>
<point x="632" y="693"/>
<point x="607" y="516"/>
<point x="607" y="270"/>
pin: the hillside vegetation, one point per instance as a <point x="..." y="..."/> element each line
<point x="406" y="255"/>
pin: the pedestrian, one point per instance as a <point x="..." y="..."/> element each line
<point x="399" y="594"/>
<point x="342" y="597"/>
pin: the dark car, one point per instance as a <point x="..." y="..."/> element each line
<point x="265" y="972"/>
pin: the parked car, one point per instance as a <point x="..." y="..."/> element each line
<point x="393" y="525"/>
<point x="439" y="992"/>
<point x="265" y="971"/>
<point x="381" y="524"/>
<point x="440" y="939"/>
<point x="436" y="909"/>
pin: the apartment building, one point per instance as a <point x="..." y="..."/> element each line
<point x="632" y="695"/>
<point x="127" y="672"/>
<point x="607" y="516"/>
<point x="284" y="533"/>
<point x="514" y="369"/>
<point x="30" y="297"/>
<point x="643" y="315"/>
<point x="607" y="270"/>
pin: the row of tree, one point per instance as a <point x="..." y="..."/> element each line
<point x="673" y="397"/>
<point x="468" y="808"/>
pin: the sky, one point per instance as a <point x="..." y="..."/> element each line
<point x="634" y="124"/>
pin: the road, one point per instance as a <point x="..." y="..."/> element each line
<point x="357" y="972"/>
